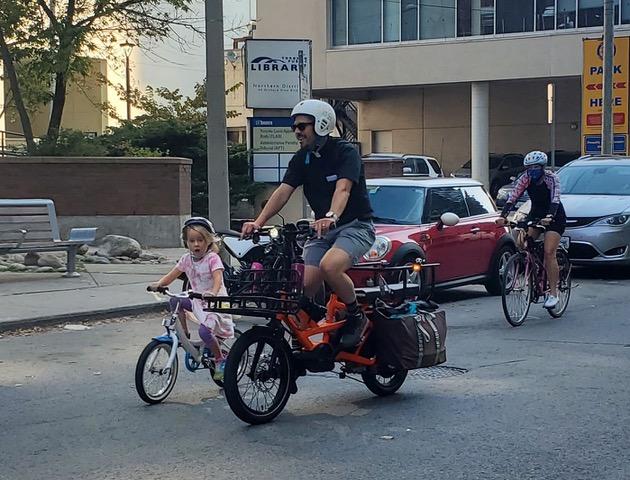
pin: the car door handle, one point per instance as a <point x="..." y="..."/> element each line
<point x="475" y="230"/>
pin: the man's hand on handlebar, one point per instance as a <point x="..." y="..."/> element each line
<point x="502" y="221"/>
<point x="248" y="229"/>
<point x="322" y="226"/>
<point x="153" y="287"/>
<point x="546" y="221"/>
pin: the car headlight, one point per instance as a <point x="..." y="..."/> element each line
<point x="380" y="248"/>
<point x="614" y="220"/>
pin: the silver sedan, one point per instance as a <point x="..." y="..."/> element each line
<point x="596" y="197"/>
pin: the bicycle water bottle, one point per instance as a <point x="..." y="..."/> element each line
<point x="299" y="276"/>
<point x="256" y="274"/>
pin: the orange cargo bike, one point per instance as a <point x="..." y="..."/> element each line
<point x="265" y="362"/>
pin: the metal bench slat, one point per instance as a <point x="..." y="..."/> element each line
<point x="31" y="227"/>
<point x="30" y="236"/>
<point x="24" y="219"/>
<point x="4" y="210"/>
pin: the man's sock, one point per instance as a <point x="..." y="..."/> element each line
<point x="352" y="309"/>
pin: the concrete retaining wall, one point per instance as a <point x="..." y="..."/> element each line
<point x="145" y="198"/>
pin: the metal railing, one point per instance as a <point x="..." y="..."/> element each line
<point x="12" y="143"/>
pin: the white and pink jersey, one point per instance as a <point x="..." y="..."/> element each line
<point x="199" y="273"/>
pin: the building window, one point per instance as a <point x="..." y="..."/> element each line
<point x="437" y="18"/>
<point x="566" y="14"/>
<point x="340" y="22"/>
<point x="514" y="16"/>
<point x="364" y="21"/>
<point x="409" y="20"/>
<point x="391" y="20"/>
<point x="591" y="13"/>
<point x="545" y="14"/>
<point x="475" y="17"/>
<point x="625" y="11"/>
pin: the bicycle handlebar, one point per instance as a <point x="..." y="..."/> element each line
<point x="165" y="291"/>
<point x="531" y="223"/>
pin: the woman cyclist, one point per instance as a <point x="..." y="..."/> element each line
<point x="543" y="187"/>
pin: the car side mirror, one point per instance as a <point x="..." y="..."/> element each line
<point x="447" y="219"/>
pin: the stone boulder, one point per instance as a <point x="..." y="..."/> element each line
<point x="97" y="259"/>
<point x="49" y="260"/>
<point x="118" y="246"/>
<point x="17" y="267"/>
<point x="14" y="258"/>
<point x="31" y="259"/>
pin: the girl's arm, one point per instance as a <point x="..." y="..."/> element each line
<point x="167" y="279"/>
<point x="217" y="282"/>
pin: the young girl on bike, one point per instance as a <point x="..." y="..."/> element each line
<point x="204" y="270"/>
<point x="543" y="187"/>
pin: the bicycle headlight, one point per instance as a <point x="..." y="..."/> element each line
<point x="614" y="220"/>
<point x="274" y="233"/>
<point x="380" y="248"/>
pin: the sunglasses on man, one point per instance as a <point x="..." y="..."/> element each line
<point x="300" y="126"/>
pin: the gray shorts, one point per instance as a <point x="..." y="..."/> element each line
<point x="355" y="238"/>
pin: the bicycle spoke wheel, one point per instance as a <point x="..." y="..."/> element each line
<point x="258" y="374"/>
<point x="564" y="284"/>
<point x="516" y="291"/>
<point x="384" y="386"/>
<point x="153" y="382"/>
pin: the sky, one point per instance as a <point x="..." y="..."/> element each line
<point x="174" y="65"/>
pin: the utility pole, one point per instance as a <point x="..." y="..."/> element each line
<point x="218" y="187"/>
<point x="609" y="53"/>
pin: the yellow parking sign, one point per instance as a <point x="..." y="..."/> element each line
<point x="592" y="85"/>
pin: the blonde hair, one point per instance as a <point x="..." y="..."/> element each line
<point x="213" y="242"/>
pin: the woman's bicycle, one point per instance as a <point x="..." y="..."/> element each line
<point x="524" y="278"/>
<point x="266" y="361"/>
<point x="158" y="364"/>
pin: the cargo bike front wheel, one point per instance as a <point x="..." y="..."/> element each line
<point x="258" y="375"/>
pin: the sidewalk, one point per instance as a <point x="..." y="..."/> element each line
<point x="29" y="299"/>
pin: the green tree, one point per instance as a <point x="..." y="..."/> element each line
<point x="46" y="43"/>
<point x="175" y="125"/>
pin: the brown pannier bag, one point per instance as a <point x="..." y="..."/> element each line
<point x="406" y="341"/>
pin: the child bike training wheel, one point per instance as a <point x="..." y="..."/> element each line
<point x="153" y="382"/>
<point x="384" y="386"/>
<point x="258" y="375"/>
<point x="516" y="290"/>
<point x="564" y="285"/>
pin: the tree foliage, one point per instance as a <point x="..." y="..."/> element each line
<point x="173" y="125"/>
<point x="46" y="43"/>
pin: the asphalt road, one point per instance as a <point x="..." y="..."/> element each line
<point x="548" y="400"/>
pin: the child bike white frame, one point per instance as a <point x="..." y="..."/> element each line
<point x="174" y="336"/>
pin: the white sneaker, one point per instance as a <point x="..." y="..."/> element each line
<point x="550" y="302"/>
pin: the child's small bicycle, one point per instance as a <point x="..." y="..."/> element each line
<point x="157" y="367"/>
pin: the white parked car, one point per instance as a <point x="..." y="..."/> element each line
<point x="413" y="165"/>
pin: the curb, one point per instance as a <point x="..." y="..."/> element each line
<point x="82" y="316"/>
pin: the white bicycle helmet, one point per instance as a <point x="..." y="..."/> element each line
<point x="323" y="115"/>
<point x="535" y="158"/>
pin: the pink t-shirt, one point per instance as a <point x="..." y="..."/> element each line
<point x="199" y="273"/>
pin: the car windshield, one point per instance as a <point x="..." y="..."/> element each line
<point x="397" y="205"/>
<point x="595" y="179"/>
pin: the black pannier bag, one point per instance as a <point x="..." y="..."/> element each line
<point x="408" y="337"/>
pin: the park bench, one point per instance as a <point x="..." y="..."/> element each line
<point x="30" y="225"/>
